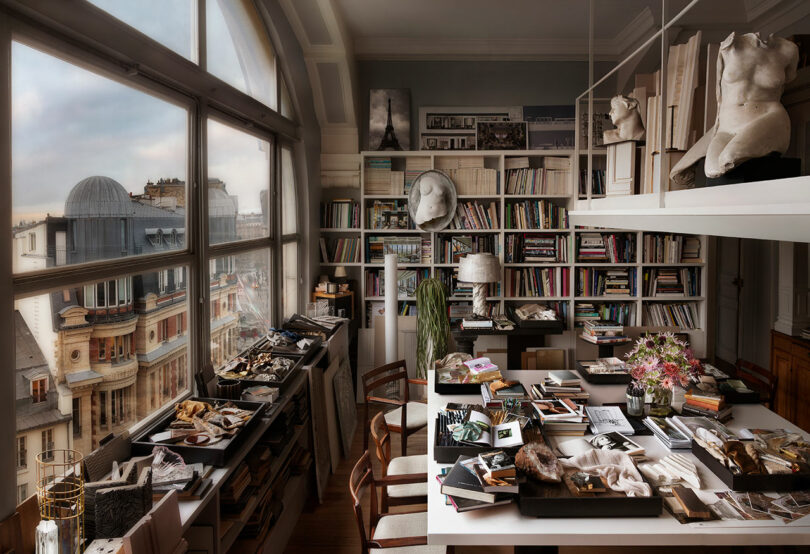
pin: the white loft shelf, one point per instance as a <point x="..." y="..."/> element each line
<point x="770" y="210"/>
<point x="445" y="153"/>
<point x="468" y="231"/>
<point x="536" y="230"/>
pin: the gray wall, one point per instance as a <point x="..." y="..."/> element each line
<point x="467" y="83"/>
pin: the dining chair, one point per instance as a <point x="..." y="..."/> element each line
<point x="759" y="379"/>
<point x="404" y="532"/>
<point x="409" y="416"/>
<point x="414" y="465"/>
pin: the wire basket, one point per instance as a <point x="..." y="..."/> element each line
<point x="60" y="492"/>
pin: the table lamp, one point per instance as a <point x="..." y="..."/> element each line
<point x="340" y="272"/>
<point x="479" y="269"/>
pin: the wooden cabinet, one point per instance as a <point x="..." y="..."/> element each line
<point x="790" y="361"/>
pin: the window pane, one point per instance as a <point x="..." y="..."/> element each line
<point x="238" y="49"/>
<point x="110" y="365"/>
<point x="240" y="303"/>
<point x="173" y="24"/>
<point x="290" y="284"/>
<point x="289" y="209"/>
<point x="84" y="148"/>
<point x="287" y="109"/>
<point x="238" y="184"/>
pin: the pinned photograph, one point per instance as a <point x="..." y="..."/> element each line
<point x="502" y="135"/>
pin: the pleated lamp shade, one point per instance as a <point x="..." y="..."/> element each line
<point x="479" y="268"/>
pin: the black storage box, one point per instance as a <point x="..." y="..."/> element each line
<point x="554" y="326"/>
<point x="749" y="483"/>
<point x="456" y="388"/>
<point x="449" y="454"/>
<point x="217" y="454"/>
<point x="555" y="500"/>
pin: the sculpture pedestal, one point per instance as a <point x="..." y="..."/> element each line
<point x="758" y="169"/>
<point x="620" y="177"/>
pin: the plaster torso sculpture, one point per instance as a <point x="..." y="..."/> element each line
<point x="751" y="121"/>
<point x="432" y="204"/>
<point x="432" y="200"/>
<point x="625" y="116"/>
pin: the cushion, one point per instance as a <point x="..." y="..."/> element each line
<point x="406" y="465"/>
<point x="417" y="416"/>
<point x="398" y="526"/>
<point x="407" y="491"/>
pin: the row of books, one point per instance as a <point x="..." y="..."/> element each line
<point x="671" y="281"/>
<point x="540" y="181"/>
<point x="535" y="281"/>
<point x="623" y="313"/>
<point x="474" y="215"/>
<point x="340" y="214"/>
<point x="379" y="178"/>
<point x="410" y="250"/>
<point x="671" y="249"/>
<point x="413" y="168"/>
<point x="535" y="214"/>
<point x="450" y="249"/>
<point x="605" y="282"/>
<point x="671" y="315"/>
<point x="606" y="247"/>
<point x="449" y="276"/>
<point x="597" y="182"/>
<point x="388" y="214"/>
<point x="407" y="281"/>
<point x="342" y="250"/>
<point x="474" y="181"/>
<point x="526" y="248"/>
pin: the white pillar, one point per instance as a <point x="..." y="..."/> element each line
<point x="391" y="310"/>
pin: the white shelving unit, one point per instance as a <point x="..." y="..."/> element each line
<point x="496" y="159"/>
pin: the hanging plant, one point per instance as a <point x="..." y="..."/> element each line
<point x="432" y="324"/>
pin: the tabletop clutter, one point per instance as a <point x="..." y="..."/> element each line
<point x="530" y="445"/>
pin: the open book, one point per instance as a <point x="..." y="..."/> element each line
<point x="505" y="435"/>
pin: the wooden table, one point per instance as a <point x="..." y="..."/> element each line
<point x="504" y="525"/>
<point x="517" y="339"/>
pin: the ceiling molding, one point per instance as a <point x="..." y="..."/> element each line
<point x="782" y="14"/>
<point x="756" y="8"/>
<point x="642" y="27"/>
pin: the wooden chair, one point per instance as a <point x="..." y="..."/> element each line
<point x="759" y="379"/>
<point x="408" y="417"/>
<point x="415" y="465"/>
<point x="403" y="529"/>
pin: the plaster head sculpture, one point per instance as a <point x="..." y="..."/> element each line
<point x="751" y="121"/>
<point x="625" y="116"/>
<point x="432" y="200"/>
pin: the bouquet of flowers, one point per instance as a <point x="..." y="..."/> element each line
<point x="659" y="362"/>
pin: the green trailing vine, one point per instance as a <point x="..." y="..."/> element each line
<point x="432" y="324"/>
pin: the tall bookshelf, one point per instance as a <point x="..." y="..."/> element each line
<point x="565" y="298"/>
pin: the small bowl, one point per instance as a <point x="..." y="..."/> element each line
<point x="197" y="439"/>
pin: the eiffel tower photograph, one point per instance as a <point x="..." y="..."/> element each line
<point x="389" y="124"/>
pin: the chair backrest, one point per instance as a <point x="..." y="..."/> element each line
<point x="755" y="375"/>
<point x="382" y="440"/>
<point x="388" y="373"/>
<point x="360" y="479"/>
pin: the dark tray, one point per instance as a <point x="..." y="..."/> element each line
<point x="750" y="483"/>
<point x="457" y="388"/>
<point x="217" y="454"/>
<point x="555" y="500"/>
<point x="281" y="385"/>
<point x="604" y="378"/>
<point x="731" y="396"/>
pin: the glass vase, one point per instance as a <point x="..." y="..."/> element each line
<point x="635" y="405"/>
<point x="660" y="401"/>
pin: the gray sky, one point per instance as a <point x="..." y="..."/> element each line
<point x="69" y="123"/>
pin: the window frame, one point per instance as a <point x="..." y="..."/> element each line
<point x="95" y="40"/>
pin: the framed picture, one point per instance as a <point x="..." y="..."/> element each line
<point x="454" y="128"/>
<point x="550" y="127"/>
<point x="502" y="135"/>
<point x="389" y="119"/>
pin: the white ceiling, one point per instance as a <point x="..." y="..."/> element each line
<point x="524" y="29"/>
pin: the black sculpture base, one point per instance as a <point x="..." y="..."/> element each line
<point x="758" y="169"/>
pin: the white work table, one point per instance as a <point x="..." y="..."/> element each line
<point x="504" y="525"/>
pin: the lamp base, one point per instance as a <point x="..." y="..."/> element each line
<point x="480" y="300"/>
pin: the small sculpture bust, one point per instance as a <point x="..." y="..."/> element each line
<point x="751" y="121"/>
<point x="432" y="204"/>
<point x="624" y="115"/>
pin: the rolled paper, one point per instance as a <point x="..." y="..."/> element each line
<point x="391" y="310"/>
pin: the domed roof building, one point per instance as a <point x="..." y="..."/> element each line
<point x="99" y="196"/>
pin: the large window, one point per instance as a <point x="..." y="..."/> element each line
<point x="85" y="150"/>
<point x="110" y="173"/>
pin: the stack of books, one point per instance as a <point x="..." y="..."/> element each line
<point x="667" y="432"/>
<point x="591" y="248"/>
<point x="603" y="332"/>
<point x="379" y="179"/>
<point x="609" y="247"/>
<point x="550" y="389"/>
<point x="606" y="282"/>
<point x="620" y="313"/>
<point x="476" y="323"/>
<point x="706" y="404"/>
<point x="670" y="315"/>
<point x="413" y="168"/>
<point x="340" y="214"/>
<point x="561" y="416"/>
<point x="495" y="399"/>
<point x="482" y="481"/>
<point x="535" y="248"/>
<point x="549" y="180"/>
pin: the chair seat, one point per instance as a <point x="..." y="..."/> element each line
<point x="417" y="416"/>
<point x="398" y="526"/>
<point x="408" y="465"/>
<point x="407" y="491"/>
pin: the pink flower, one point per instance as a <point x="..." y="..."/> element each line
<point x="668" y="383"/>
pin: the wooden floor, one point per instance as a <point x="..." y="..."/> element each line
<point x="330" y="528"/>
